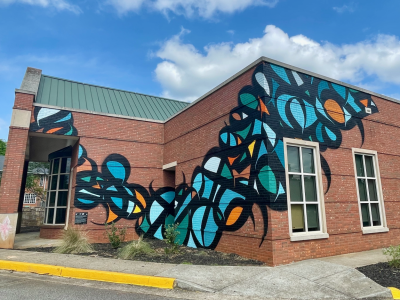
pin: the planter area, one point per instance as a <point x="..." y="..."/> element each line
<point x="185" y="255"/>
<point x="382" y="274"/>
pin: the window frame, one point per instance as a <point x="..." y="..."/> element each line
<point x="57" y="190"/>
<point x="29" y="198"/>
<point x="322" y="233"/>
<point x="371" y="229"/>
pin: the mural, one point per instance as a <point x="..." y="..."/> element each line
<point x="49" y="120"/>
<point x="121" y="199"/>
<point x="246" y="169"/>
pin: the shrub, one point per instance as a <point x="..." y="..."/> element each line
<point x="394" y="256"/>
<point x="74" y="241"/>
<point x="171" y="234"/>
<point x="115" y="235"/>
<point x="134" y="249"/>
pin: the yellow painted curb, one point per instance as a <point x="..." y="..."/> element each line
<point x="395" y="292"/>
<point x="153" y="281"/>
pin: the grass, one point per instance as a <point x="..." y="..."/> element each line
<point x="393" y="253"/>
<point x="74" y="241"/>
<point x="134" y="249"/>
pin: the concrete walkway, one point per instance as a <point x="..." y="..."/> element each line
<point x="310" y="279"/>
<point x="32" y="240"/>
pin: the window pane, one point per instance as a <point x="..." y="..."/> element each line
<point x="362" y="189"/>
<point x="369" y="165"/>
<point x="64" y="181"/>
<point x="297" y="218"/>
<point x="54" y="182"/>
<point x="296" y="192"/>
<point x="312" y="217"/>
<point x="310" y="188"/>
<point x="359" y="165"/>
<point x="48" y="184"/>
<point x="365" y="214"/>
<point x="62" y="198"/>
<point x="293" y="159"/>
<point x="372" y="190"/>
<point x="376" y="219"/>
<point x="308" y="160"/>
<point x="65" y="165"/>
<point x="50" y="215"/>
<point x="60" y="216"/>
<point x="52" y="198"/>
<point x="56" y="164"/>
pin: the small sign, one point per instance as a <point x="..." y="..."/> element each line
<point x="81" y="217"/>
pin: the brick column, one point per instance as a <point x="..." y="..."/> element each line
<point x="15" y="168"/>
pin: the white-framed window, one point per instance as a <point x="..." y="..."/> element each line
<point x="57" y="191"/>
<point x="369" y="191"/>
<point x="41" y="180"/>
<point x="304" y="190"/>
<point x="29" y="199"/>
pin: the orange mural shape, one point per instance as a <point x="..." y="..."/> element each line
<point x="111" y="215"/>
<point x="140" y="198"/>
<point x="54" y="130"/>
<point x="86" y="166"/>
<point x="364" y="102"/>
<point x="234" y="216"/>
<point x="334" y="110"/>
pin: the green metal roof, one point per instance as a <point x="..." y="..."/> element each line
<point x="75" y="95"/>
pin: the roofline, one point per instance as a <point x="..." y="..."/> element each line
<point x="97" y="113"/>
<point x="276" y="62"/>
<point x="105" y="87"/>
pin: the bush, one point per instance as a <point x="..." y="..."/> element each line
<point x="115" y="235"/>
<point x="171" y="233"/>
<point x="134" y="249"/>
<point x="74" y="241"/>
<point x="394" y="256"/>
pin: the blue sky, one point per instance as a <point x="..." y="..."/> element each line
<point x="182" y="48"/>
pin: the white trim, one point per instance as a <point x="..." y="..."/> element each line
<point x="383" y="226"/>
<point x="374" y="229"/>
<point x="298" y="236"/>
<point x="170" y="166"/>
<point x="308" y="236"/>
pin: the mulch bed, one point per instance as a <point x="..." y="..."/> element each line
<point x="382" y="274"/>
<point x="186" y="255"/>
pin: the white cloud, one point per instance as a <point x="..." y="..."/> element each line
<point x="344" y="8"/>
<point x="188" y="8"/>
<point x="57" y="4"/>
<point x="187" y="72"/>
<point x="231" y="32"/>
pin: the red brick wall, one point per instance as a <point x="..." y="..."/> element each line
<point x="13" y="170"/>
<point x="141" y="143"/>
<point x="190" y="135"/>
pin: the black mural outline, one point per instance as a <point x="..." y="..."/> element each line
<point x="247" y="168"/>
<point x="53" y="121"/>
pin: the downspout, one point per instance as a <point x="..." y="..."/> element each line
<point x="69" y="197"/>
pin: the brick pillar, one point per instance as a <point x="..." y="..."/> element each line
<point x="15" y="167"/>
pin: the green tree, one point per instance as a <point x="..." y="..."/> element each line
<point x="32" y="185"/>
<point x="3" y="146"/>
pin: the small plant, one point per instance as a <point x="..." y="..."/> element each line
<point x="394" y="256"/>
<point x="115" y="235"/>
<point x="74" y="241"/>
<point x="134" y="249"/>
<point x="171" y="234"/>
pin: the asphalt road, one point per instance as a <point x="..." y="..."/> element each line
<point x="16" y="286"/>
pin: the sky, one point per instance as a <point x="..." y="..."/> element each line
<point x="181" y="49"/>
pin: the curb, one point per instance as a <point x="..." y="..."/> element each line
<point x="395" y="292"/>
<point x="115" y="277"/>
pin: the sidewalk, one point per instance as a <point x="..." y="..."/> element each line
<point x="310" y="279"/>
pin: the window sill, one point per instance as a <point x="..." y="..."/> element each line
<point x="375" y="230"/>
<point x="306" y="237"/>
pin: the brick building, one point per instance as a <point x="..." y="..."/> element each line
<point x="277" y="163"/>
